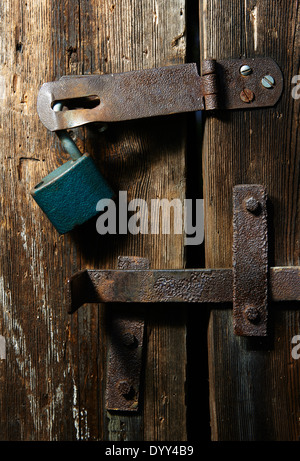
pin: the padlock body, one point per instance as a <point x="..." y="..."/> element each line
<point x="69" y="194"/>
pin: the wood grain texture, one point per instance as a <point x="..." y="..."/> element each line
<point x="52" y="381"/>
<point x="254" y="384"/>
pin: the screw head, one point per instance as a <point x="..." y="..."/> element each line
<point x="252" y="314"/>
<point x="252" y="205"/>
<point x="247" y="95"/>
<point x="245" y="70"/>
<point x="268" y="81"/>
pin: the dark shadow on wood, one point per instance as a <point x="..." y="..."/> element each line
<point x="197" y="395"/>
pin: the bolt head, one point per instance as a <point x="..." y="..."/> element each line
<point x="268" y="81"/>
<point x="129" y="340"/>
<point x="124" y="388"/>
<point x="252" y="205"/>
<point x="247" y="95"/>
<point x="252" y="314"/>
<point x="245" y="70"/>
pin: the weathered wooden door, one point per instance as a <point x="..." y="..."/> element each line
<point x="53" y="365"/>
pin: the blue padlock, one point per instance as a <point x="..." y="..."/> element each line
<point x="69" y="195"/>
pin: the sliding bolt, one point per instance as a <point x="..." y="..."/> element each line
<point x="268" y="81"/>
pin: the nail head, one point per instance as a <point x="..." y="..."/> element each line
<point x="129" y="339"/>
<point x="252" y="204"/>
<point x="252" y="314"/>
<point x="124" y="387"/>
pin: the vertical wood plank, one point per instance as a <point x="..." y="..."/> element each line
<point x="53" y="383"/>
<point x="253" y="383"/>
<point x="147" y="158"/>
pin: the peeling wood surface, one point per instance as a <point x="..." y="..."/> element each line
<point x="53" y="375"/>
<point x="254" y="384"/>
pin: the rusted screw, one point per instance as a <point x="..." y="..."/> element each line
<point x="252" y="314"/>
<point x="252" y="205"/>
<point x="129" y="340"/>
<point x="124" y="388"/>
<point x="245" y="70"/>
<point x="268" y="81"/>
<point x="247" y="95"/>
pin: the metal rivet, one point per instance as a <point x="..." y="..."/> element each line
<point x="252" y="314"/>
<point x="268" y="81"/>
<point x="124" y="388"/>
<point x="129" y="339"/>
<point x="57" y="107"/>
<point x="252" y="204"/>
<point x="245" y="70"/>
<point x="247" y="95"/>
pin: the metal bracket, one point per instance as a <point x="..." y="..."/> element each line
<point x="223" y="85"/>
<point x="125" y="348"/>
<point x="249" y="284"/>
<point x="250" y="260"/>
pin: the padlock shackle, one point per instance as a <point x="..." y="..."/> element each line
<point x="69" y="145"/>
<point x="67" y="142"/>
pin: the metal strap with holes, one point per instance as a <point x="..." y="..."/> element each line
<point x="223" y="85"/>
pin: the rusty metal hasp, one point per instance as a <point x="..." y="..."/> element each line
<point x="70" y="194"/>
<point x="224" y="84"/>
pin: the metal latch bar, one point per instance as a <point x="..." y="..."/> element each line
<point x="245" y="284"/>
<point x="171" y="286"/>
<point x="248" y="285"/>
<point x="159" y="91"/>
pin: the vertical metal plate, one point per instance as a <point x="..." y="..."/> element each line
<point x="250" y="260"/>
<point x="126" y="336"/>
